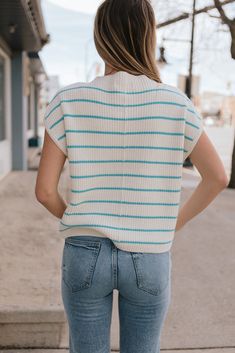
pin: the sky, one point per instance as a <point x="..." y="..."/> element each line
<point x="71" y="52"/>
<point x="88" y="7"/>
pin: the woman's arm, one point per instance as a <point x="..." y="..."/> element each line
<point x="49" y="171"/>
<point x="214" y="180"/>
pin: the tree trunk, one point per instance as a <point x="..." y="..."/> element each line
<point x="231" y="184"/>
<point x="232" y="177"/>
<point x="232" y="31"/>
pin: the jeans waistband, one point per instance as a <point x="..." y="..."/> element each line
<point x="88" y="237"/>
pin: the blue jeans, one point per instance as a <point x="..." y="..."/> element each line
<point x="91" y="268"/>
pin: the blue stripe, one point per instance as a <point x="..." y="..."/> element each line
<point x="193" y="125"/>
<point x="124" y="161"/>
<point x="127" y="133"/>
<point x="141" y="242"/>
<point x="128" y="175"/>
<point x="61" y="137"/>
<point x="125" y="203"/>
<point x="188" y="138"/>
<point x="131" y="189"/>
<point x="121" y="105"/>
<point x="131" y="133"/>
<point x="118" y="228"/>
<point x="121" y="119"/>
<point x="57" y="122"/>
<point x="194" y="113"/>
<point x="124" y="147"/>
<point x="55" y="107"/>
<point x="116" y="215"/>
<point x="119" y="92"/>
<point x="117" y="119"/>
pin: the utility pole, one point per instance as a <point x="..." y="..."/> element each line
<point x="188" y="89"/>
<point x="189" y="78"/>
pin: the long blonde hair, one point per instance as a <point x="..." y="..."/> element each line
<point x="125" y="36"/>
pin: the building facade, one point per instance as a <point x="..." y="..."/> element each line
<point x="22" y="36"/>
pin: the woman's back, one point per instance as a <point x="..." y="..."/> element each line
<point x="126" y="138"/>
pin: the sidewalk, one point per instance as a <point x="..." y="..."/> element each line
<point x="220" y="350"/>
<point x="202" y="310"/>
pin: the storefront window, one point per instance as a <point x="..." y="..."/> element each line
<point x="2" y="100"/>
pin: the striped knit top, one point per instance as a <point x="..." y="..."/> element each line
<point x="126" y="137"/>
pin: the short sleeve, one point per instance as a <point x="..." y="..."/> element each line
<point x="193" y="128"/>
<point x="54" y="123"/>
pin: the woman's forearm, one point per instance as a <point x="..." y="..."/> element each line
<point x="202" y="196"/>
<point x="54" y="203"/>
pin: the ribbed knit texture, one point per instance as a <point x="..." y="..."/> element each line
<point x="125" y="138"/>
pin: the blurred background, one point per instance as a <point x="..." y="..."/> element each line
<point x="45" y="45"/>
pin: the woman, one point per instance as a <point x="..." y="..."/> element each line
<point x="126" y="135"/>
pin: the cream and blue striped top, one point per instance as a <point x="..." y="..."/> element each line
<point x="125" y="138"/>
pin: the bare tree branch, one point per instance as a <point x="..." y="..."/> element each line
<point x="225" y="19"/>
<point x="223" y="16"/>
<point x="231" y="25"/>
<point x="186" y="15"/>
<point x="213" y="16"/>
<point x="229" y="22"/>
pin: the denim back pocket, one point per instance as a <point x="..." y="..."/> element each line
<point x="78" y="262"/>
<point x="152" y="271"/>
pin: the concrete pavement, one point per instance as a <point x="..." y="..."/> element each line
<point x="210" y="350"/>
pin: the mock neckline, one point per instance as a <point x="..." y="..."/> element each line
<point x="115" y="74"/>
